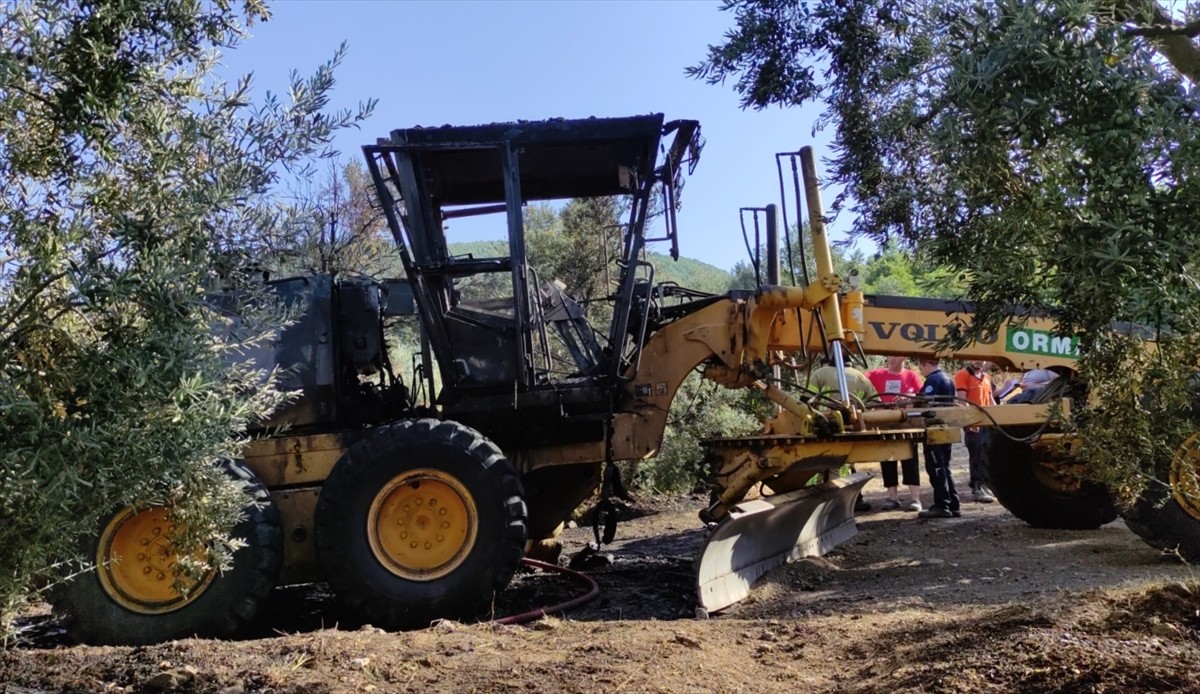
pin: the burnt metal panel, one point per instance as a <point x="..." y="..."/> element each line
<point x="520" y="271"/>
<point x="303" y="350"/>
<point x="289" y="461"/>
<point x="398" y="298"/>
<point x="481" y="348"/>
<point x="297" y="509"/>
<point x="359" y="333"/>
<point x="559" y="158"/>
<point x="552" y="493"/>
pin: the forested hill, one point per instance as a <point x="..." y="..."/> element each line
<point x="686" y="272"/>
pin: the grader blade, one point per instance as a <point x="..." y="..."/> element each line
<point x="760" y="534"/>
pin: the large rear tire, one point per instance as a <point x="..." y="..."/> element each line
<point x="1167" y="516"/>
<point x="1043" y="491"/>
<point x="424" y="519"/>
<point x="129" y="598"/>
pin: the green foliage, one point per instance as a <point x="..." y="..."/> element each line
<point x="577" y="247"/>
<point x="134" y="183"/>
<point x="581" y="250"/>
<point x="690" y="273"/>
<point x="1138" y="423"/>
<point x="479" y="249"/>
<point x="1044" y="154"/>
<point x="891" y="272"/>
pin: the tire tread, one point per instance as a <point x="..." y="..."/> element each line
<point x="79" y="600"/>
<point x="337" y="499"/>
<point x="1010" y="470"/>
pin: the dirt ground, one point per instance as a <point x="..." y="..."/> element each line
<point x="981" y="603"/>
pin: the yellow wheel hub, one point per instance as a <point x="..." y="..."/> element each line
<point x="1053" y="468"/>
<point x="422" y="524"/>
<point x="136" y="563"/>
<point x="1185" y="467"/>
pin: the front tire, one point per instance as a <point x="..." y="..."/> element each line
<point x="1167" y="516"/>
<point x="129" y="598"/>
<point x="1040" y="491"/>
<point x="425" y="519"/>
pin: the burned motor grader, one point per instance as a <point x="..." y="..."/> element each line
<point x="413" y="511"/>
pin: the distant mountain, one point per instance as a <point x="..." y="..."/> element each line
<point x="690" y="273"/>
<point x="479" y="249"/>
<point x="685" y="272"/>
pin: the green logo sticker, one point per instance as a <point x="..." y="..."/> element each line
<point x="1030" y="341"/>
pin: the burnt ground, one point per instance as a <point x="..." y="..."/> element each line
<point x="981" y="603"/>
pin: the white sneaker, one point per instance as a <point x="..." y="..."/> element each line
<point x="914" y="505"/>
<point x="984" y="495"/>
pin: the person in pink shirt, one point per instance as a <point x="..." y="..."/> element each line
<point x="892" y="382"/>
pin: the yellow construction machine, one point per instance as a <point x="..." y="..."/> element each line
<point x="417" y="509"/>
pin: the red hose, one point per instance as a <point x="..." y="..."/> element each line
<point x="533" y="615"/>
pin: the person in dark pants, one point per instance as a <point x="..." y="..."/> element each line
<point x="939" y="390"/>
<point x="974" y="385"/>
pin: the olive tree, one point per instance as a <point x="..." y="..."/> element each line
<point x="1046" y="154"/>
<point x="134" y="183"/>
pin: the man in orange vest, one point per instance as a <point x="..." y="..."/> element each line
<point x="974" y="385"/>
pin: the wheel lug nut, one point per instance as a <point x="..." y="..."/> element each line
<point x="445" y="525"/>
<point x="141" y="557"/>
<point x="441" y="537"/>
<point x="441" y="511"/>
<point x="428" y="545"/>
<point x="161" y="575"/>
<point x="432" y="502"/>
<point x="420" y="501"/>
<point x="146" y="570"/>
<point x="407" y="508"/>
<point x="145" y="542"/>
<point x="403" y="535"/>
<point x="158" y="531"/>
<point x="413" y="545"/>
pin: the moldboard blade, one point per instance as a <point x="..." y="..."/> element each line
<point x="760" y="534"/>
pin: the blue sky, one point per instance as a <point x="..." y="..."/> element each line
<point x="463" y="63"/>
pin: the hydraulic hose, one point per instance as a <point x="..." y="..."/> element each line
<point x="538" y="613"/>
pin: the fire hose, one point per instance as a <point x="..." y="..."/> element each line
<point x="538" y="613"/>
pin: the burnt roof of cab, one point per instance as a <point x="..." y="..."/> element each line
<point x="558" y="158"/>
